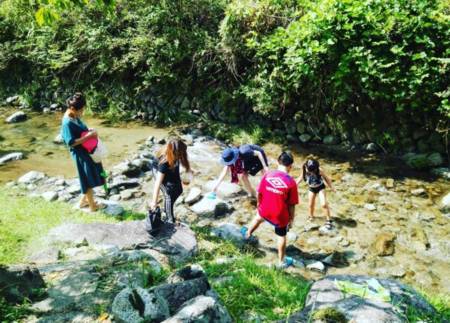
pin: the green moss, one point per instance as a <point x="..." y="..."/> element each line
<point x="329" y="315"/>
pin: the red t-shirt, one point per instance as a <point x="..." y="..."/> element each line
<point x="277" y="191"/>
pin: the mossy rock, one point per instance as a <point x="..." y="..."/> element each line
<point x="329" y="315"/>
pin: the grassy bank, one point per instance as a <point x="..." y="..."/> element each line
<point x="249" y="291"/>
<point x="24" y="220"/>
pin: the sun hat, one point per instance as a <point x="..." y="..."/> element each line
<point x="229" y="156"/>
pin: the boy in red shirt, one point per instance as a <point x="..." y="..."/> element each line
<point x="277" y="197"/>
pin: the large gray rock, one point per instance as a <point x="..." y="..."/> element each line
<point x="325" y="293"/>
<point x="138" y="305"/>
<point x="11" y="157"/>
<point x="128" y="169"/>
<point x="178" y="293"/>
<point x="18" y="116"/>
<point x="177" y="242"/>
<point x="112" y="207"/>
<point x="50" y="196"/>
<point x="211" y="207"/>
<point x="31" y="177"/>
<point x="18" y="283"/>
<point x="125" y="235"/>
<point x="122" y="182"/>
<point x="225" y="190"/>
<point x="195" y="194"/>
<point x="201" y="309"/>
<point x="186" y="273"/>
<point x="231" y="232"/>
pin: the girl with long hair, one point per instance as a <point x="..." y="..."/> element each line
<point x="168" y="178"/>
<point x="316" y="179"/>
<point x="72" y="130"/>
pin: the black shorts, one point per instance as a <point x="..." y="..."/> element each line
<point x="317" y="189"/>
<point x="281" y="232"/>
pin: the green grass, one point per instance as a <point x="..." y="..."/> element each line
<point x="248" y="288"/>
<point x="23" y="220"/>
<point x="440" y="302"/>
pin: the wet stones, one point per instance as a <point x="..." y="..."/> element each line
<point x="225" y="190"/>
<point x="419" y="192"/>
<point x="128" y="169"/>
<point x="336" y="259"/>
<point x="11" y="157"/>
<point x="370" y="207"/>
<point x="211" y="207"/>
<point x="195" y="194"/>
<point x="231" y="232"/>
<point x="16" y="117"/>
<point x="419" y="238"/>
<point x="384" y="244"/>
<point x="31" y="177"/>
<point x="445" y="203"/>
<point x="50" y="196"/>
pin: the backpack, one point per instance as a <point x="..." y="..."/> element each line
<point x="153" y="221"/>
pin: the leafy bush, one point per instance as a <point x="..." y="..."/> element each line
<point x="364" y="64"/>
<point x="375" y="67"/>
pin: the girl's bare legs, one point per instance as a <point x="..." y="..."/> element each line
<point x="83" y="201"/>
<point x="90" y="198"/>
<point x="312" y="204"/>
<point x="247" y="185"/>
<point x="324" y="203"/>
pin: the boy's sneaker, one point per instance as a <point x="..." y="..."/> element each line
<point x="289" y="261"/>
<point x="244" y="231"/>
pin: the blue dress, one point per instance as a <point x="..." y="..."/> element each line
<point x="89" y="172"/>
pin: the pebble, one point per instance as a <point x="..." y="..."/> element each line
<point x="419" y="192"/>
<point x="370" y="207"/>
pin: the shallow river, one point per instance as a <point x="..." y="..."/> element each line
<point x="422" y="245"/>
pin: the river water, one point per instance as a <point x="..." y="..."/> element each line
<point x="34" y="137"/>
<point x="422" y="245"/>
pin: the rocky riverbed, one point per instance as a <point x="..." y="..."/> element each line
<point x="390" y="227"/>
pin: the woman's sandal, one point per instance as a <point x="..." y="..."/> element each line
<point x="329" y="225"/>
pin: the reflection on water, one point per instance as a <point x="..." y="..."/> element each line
<point x="34" y="137"/>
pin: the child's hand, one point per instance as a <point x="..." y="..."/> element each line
<point x="333" y="190"/>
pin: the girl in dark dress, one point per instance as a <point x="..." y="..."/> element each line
<point x="89" y="172"/>
<point x="168" y="177"/>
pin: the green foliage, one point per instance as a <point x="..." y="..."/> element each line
<point x="13" y="313"/>
<point x="440" y="302"/>
<point x="333" y="65"/>
<point x="25" y="220"/>
<point x="249" y="288"/>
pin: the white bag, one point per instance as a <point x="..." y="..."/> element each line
<point x="100" y="153"/>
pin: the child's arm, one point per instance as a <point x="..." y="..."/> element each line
<point x="262" y="160"/>
<point x="221" y="178"/>
<point x="302" y="176"/>
<point x="327" y="181"/>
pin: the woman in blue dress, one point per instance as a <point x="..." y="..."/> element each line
<point x="89" y="172"/>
